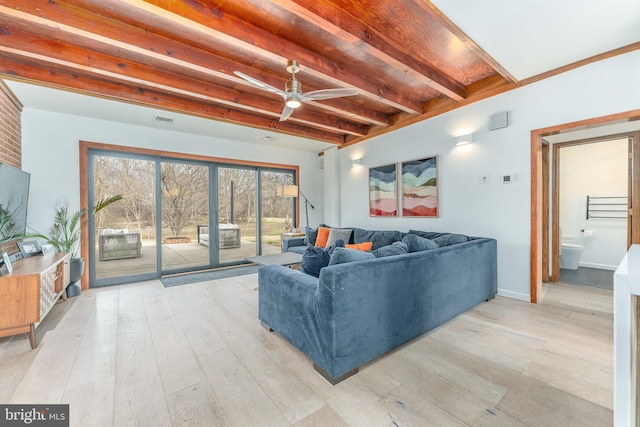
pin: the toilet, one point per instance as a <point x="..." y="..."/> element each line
<point x="570" y="254"/>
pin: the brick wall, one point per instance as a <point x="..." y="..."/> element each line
<point x="10" y="128"/>
<point x="10" y="141"/>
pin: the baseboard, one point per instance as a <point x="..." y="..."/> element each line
<point x="514" y="295"/>
<point x="600" y="266"/>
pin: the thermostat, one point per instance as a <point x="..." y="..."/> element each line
<point x="508" y="179"/>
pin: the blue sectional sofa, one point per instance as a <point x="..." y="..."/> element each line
<point x="357" y="311"/>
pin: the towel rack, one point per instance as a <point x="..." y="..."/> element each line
<point x="607" y="207"/>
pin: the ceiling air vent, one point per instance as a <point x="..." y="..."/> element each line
<point x="162" y="120"/>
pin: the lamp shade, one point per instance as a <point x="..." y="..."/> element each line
<point x="287" y="191"/>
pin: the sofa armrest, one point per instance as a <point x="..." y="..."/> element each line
<point x="289" y="303"/>
<point x="291" y="242"/>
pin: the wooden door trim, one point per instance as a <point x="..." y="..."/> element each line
<point x="634" y="199"/>
<point x="545" y="211"/>
<point x="537" y="168"/>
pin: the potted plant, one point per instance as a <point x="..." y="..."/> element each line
<point x="7" y="225"/>
<point x="64" y="234"/>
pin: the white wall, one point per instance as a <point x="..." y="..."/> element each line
<point x="497" y="210"/>
<point x="493" y="209"/>
<point x="598" y="169"/>
<point x="50" y="152"/>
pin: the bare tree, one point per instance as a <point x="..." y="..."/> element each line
<point x="184" y="194"/>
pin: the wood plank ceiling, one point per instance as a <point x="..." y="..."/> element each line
<point x="406" y="60"/>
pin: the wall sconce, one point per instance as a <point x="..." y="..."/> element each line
<point x="356" y="162"/>
<point x="464" y="139"/>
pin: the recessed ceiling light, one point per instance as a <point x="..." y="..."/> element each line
<point x="268" y="138"/>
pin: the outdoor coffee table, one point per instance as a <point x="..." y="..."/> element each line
<point x="287" y="259"/>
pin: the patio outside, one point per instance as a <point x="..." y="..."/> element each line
<point x="125" y="232"/>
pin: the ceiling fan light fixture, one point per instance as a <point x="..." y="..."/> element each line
<point x="292" y="93"/>
<point x="293" y="103"/>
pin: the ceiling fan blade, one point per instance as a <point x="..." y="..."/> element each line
<point x="260" y="84"/>
<point x="317" y="95"/>
<point x="286" y="113"/>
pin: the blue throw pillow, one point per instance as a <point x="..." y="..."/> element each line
<point x="313" y="260"/>
<point x="417" y="243"/>
<point x="396" y="248"/>
<point x="450" y="239"/>
<point x="427" y="234"/>
<point x="341" y="255"/>
<point x="316" y="258"/>
<point x="379" y="238"/>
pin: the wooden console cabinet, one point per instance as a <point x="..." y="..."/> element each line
<point x="29" y="291"/>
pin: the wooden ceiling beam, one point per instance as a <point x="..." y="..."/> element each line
<point x="230" y="30"/>
<point x="160" y="51"/>
<point x="483" y="89"/>
<point x="58" y="78"/>
<point x="58" y="54"/>
<point x="350" y="30"/>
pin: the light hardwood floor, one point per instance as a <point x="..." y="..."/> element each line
<point x="144" y="355"/>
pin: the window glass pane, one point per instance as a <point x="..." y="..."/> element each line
<point x="236" y="214"/>
<point x="125" y="243"/>
<point x="185" y="207"/>
<point x="277" y="211"/>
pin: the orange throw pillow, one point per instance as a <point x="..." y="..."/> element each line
<point x="364" y="246"/>
<point x="323" y="237"/>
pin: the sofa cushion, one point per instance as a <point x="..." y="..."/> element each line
<point x="316" y="258"/>
<point x="364" y="246"/>
<point x="342" y="255"/>
<point x="336" y="234"/>
<point x="416" y="243"/>
<point x="323" y="237"/>
<point x="396" y="248"/>
<point x="311" y="234"/>
<point x="297" y="249"/>
<point x="450" y="239"/>
<point x="379" y="238"/>
<point x="427" y="234"/>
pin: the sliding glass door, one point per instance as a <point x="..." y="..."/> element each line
<point x="277" y="213"/>
<point x="237" y="214"/>
<point x="124" y="234"/>
<point x="180" y="215"/>
<point x="184" y="212"/>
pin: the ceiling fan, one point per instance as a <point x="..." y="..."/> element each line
<point x="292" y="92"/>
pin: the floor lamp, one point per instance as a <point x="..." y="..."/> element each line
<point x="294" y="191"/>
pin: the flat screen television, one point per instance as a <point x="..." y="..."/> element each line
<point x="14" y="195"/>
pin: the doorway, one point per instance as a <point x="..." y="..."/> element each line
<point x="590" y="199"/>
<point x="541" y="262"/>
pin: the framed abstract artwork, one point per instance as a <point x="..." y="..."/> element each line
<point x="383" y="190"/>
<point x="420" y="187"/>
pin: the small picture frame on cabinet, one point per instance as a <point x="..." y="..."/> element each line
<point x="7" y="262"/>
<point x="48" y="249"/>
<point x="29" y="248"/>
